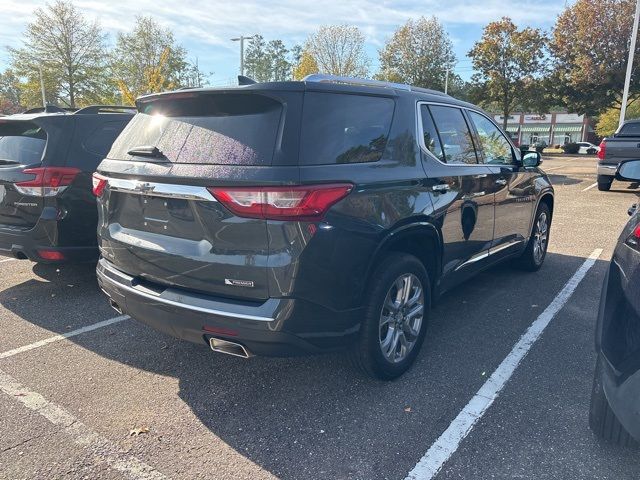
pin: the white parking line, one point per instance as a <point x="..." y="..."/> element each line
<point x="590" y="187"/>
<point x="62" y="336"/>
<point x="8" y="260"/>
<point x="102" y="450"/>
<point x="446" y="445"/>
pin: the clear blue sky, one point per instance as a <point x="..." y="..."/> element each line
<point x="204" y="27"/>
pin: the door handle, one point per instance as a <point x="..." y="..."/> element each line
<point x="501" y="181"/>
<point x="441" y="187"/>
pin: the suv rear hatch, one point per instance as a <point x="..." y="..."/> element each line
<point x="160" y="223"/>
<point x="22" y="146"/>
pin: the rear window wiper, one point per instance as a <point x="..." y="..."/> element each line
<point x="147" y="151"/>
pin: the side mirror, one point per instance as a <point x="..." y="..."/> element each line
<point x="629" y="171"/>
<point x="531" y="159"/>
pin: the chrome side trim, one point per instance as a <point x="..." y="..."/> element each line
<point x="157" y="298"/>
<point x="154" y="189"/>
<point x="487" y="253"/>
<point x="504" y="246"/>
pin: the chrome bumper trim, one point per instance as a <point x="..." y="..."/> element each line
<point x="156" y="189"/>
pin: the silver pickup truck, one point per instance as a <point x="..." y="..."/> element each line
<point x="623" y="145"/>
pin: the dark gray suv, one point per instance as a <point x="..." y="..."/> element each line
<point x="291" y="217"/>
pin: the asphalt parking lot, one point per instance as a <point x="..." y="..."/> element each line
<point x="118" y="400"/>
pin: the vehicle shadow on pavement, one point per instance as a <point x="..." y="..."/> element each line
<point x="557" y="179"/>
<point x="316" y="417"/>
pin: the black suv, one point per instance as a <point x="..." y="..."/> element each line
<point x="47" y="156"/>
<point x="280" y="218"/>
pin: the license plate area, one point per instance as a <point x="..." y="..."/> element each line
<point x="164" y="215"/>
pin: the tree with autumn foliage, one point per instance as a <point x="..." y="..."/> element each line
<point x="419" y="53"/>
<point x="509" y="65"/>
<point x="590" y="47"/>
<point x="306" y="66"/>
<point x="148" y="60"/>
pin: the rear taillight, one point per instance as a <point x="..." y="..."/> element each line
<point x="48" y="181"/>
<point x="99" y="183"/>
<point x="633" y="240"/>
<point x="306" y="202"/>
<point x="602" y="151"/>
<point x="51" y="255"/>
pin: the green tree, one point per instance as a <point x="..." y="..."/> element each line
<point x="509" y="65"/>
<point x="590" y="47"/>
<point x="419" y="53"/>
<point x="267" y="62"/>
<point x="10" y="93"/>
<point x="69" y="49"/>
<point x="338" y="50"/>
<point x="148" y="60"/>
<point x="609" y="119"/>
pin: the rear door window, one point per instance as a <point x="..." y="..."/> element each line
<point x="630" y="129"/>
<point x="21" y="142"/>
<point x="219" y="129"/>
<point x="342" y="128"/>
<point x="454" y="134"/>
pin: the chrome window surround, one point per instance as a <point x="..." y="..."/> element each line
<point x="155" y="189"/>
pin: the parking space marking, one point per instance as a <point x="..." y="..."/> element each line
<point x="590" y="187"/>
<point x="8" y="260"/>
<point x="100" y="448"/>
<point x="446" y="445"/>
<point x="62" y="336"/>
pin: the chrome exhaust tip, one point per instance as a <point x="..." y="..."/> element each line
<point x="115" y="306"/>
<point x="230" y="348"/>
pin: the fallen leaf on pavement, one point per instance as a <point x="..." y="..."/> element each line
<point x="138" y="431"/>
<point x="407" y="409"/>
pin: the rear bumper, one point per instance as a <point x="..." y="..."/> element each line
<point x="275" y="327"/>
<point x="607" y="170"/>
<point x="623" y="398"/>
<point x="37" y="245"/>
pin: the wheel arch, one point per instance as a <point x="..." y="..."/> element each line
<point x="421" y="239"/>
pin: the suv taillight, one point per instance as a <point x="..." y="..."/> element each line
<point x="633" y="240"/>
<point x="48" y="181"/>
<point x="602" y="151"/>
<point x="306" y="202"/>
<point x="99" y="183"/>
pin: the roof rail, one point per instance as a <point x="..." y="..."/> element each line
<point x="50" y="109"/>
<point x="323" y="78"/>
<point x="105" y="109"/>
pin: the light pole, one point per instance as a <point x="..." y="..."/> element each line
<point x="632" y="51"/>
<point x="241" y="39"/>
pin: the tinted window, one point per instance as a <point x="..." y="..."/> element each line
<point x="495" y="147"/>
<point x="630" y="129"/>
<point x="341" y="128"/>
<point x="220" y="129"/>
<point x="21" y="142"/>
<point x="99" y="141"/>
<point x="430" y="134"/>
<point x="454" y="134"/>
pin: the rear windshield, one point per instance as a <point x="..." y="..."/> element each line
<point x="21" y="142"/>
<point x="342" y="128"/>
<point x="630" y="129"/>
<point x="219" y="129"/>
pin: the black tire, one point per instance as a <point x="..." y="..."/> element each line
<point x="367" y="354"/>
<point x="604" y="183"/>
<point x="529" y="260"/>
<point x="602" y="421"/>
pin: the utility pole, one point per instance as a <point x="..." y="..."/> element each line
<point x="241" y="39"/>
<point x="632" y="51"/>
<point x="44" y="98"/>
<point x="446" y="80"/>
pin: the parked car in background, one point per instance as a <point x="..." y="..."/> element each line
<point x="623" y="145"/>
<point x="587" y="148"/>
<point x="295" y="217"/>
<point x="47" y="211"/>
<point x="615" y="405"/>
